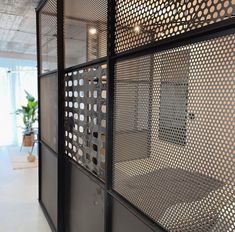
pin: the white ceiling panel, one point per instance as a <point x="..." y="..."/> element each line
<point x="18" y="26"/>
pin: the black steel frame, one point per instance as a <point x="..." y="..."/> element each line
<point x="42" y="75"/>
<point x="61" y="135"/>
<point x="201" y="34"/>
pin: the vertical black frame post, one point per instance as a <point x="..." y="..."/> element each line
<point x="40" y="75"/>
<point x="110" y="194"/>
<point x="109" y="119"/>
<point x="39" y="105"/>
<point x="61" y="136"/>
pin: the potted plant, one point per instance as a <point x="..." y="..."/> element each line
<point x="29" y="114"/>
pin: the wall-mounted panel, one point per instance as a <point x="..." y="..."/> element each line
<point x="142" y="22"/>
<point x="186" y="180"/>
<point x="85" y="117"/>
<point x="85" y="31"/>
<point x="49" y="110"/>
<point x="49" y="175"/>
<point x="84" y="201"/>
<point x="48" y="36"/>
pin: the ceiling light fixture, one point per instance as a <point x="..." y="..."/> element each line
<point x="137" y="29"/>
<point x="92" y="31"/>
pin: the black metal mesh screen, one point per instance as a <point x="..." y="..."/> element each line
<point x="49" y="110"/>
<point x="85" y="31"/>
<point x="142" y="22"/>
<point x="48" y="36"/>
<point x="85" y="117"/>
<point x="84" y="200"/>
<point x="49" y="182"/>
<point x="176" y="111"/>
<point x="124" y="221"/>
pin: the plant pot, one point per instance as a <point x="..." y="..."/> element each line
<point x="31" y="158"/>
<point x="28" y="140"/>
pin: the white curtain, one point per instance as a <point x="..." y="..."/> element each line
<point x="7" y="120"/>
<point x="15" y="77"/>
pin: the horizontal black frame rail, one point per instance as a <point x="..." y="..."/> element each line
<point x="205" y="33"/>
<point x="86" y="65"/>
<point x="48" y="147"/>
<point x="41" y="4"/>
<point x="41" y="75"/>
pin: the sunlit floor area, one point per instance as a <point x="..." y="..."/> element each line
<point x="20" y="211"/>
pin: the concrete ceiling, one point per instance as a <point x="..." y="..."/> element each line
<point x="18" y="27"/>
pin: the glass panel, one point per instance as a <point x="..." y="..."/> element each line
<point x="85" y="31"/>
<point x="124" y="220"/>
<point x="85" y="205"/>
<point x="48" y="36"/>
<point x="49" y="185"/>
<point x="143" y="22"/>
<point x="184" y="181"/>
<point x="49" y="110"/>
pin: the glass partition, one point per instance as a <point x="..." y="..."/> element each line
<point x="85" y="26"/>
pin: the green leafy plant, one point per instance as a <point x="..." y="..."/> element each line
<point x="29" y="113"/>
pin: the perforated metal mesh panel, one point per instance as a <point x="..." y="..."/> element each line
<point x="85" y="31"/>
<point x="186" y="181"/>
<point x="142" y="22"/>
<point x="49" y="182"/>
<point x="49" y="110"/>
<point x="85" y="117"/>
<point x="48" y="36"/>
<point x="84" y="200"/>
<point x="124" y="220"/>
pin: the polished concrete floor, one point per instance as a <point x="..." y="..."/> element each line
<point x="19" y="208"/>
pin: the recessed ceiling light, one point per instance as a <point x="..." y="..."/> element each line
<point x="137" y="29"/>
<point x="92" y="31"/>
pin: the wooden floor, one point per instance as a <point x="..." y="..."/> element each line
<point x="19" y="208"/>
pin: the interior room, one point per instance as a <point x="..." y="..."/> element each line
<point x="135" y="104"/>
